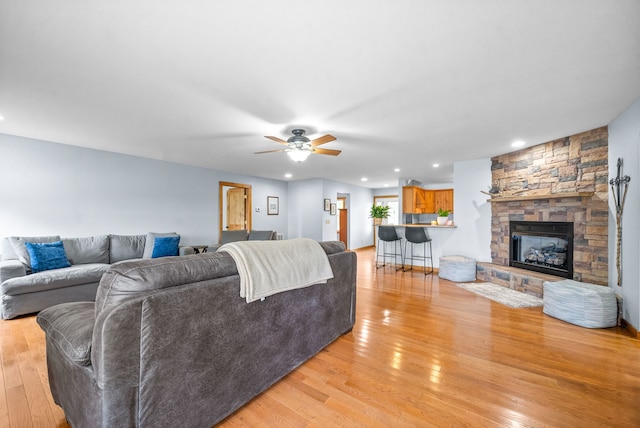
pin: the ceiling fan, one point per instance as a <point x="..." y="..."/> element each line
<point x="300" y="147"/>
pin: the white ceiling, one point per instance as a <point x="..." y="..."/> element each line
<point x="401" y="84"/>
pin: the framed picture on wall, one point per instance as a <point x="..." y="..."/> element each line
<point x="273" y="205"/>
<point x="327" y="204"/>
<point x="333" y="209"/>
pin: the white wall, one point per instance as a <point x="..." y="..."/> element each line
<point x="49" y="188"/>
<point x="359" y="201"/>
<point x="624" y="142"/>
<point x="307" y="217"/>
<point x="472" y="212"/>
<point x="306" y="209"/>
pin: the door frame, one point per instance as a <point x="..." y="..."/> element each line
<point x="343" y="211"/>
<point x="222" y="195"/>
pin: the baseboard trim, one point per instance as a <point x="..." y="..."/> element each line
<point x="630" y="328"/>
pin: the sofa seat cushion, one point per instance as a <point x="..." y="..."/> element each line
<point x="53" y="279"/>
<point x="69" y="327"/>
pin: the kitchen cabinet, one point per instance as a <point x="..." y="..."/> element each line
<point x="416" y="200"/>
<point x="443" y="198"/>
<point x="410" y="200"/>
<point x="428" y="201"/>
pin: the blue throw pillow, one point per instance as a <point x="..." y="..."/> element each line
<point x="165" y="246"/>
<point x="47" y="255"/>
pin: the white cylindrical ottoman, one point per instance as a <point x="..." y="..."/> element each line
<point x="580" y="303"/>
<point x="457" y="268"/>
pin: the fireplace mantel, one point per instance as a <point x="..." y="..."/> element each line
<point x="537" y="197"/>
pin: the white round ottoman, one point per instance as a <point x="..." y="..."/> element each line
<point x="580" y="303"/>
<point x="457" y="268"/>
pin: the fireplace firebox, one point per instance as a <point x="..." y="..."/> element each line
<point x="542" y="246"/>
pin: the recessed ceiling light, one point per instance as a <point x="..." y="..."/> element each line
<point x="386" y="185"/>
<point x="397" y="170"/>
<point x="435" y="165"/>
<point x="1" y="117"/>
<point x="288" y="175"/>
<point x="364" y="179"/>
<point x="518" y="143"/>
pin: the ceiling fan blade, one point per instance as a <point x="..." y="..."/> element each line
<point x="270" y="151"/>
<point x="327" y="152"/>
<point x="322" y="140"/>
<point x="277" y="140"/>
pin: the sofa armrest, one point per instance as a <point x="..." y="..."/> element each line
<point x="186" y="250"/>
<point x="69" y="327"/>
<point x="11" y="269"/>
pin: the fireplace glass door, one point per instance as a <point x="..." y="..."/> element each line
<point x="545" y="247"/>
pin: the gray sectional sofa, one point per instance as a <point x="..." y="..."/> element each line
<point x="170" y="342"/>
<point x="23" y="291"/>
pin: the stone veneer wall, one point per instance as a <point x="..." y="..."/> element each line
<point x="572" y="164"/>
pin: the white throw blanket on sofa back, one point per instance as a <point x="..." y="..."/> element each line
<point x="270" y="267"/>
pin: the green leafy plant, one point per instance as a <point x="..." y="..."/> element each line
<point x="443" y="213"/>
<point x="379" y="211"/>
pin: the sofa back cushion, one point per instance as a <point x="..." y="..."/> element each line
<point x="234" y="235"/>
<point x="93" y="249"/>
<point x="137" y="278"/>
<point x="6" y="250"/>
<point x="19" y="247"/>
<point x="262" y="235"/>
<point x="126" y="247"/>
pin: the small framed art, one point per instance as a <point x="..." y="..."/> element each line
<point x="327" y="204"/>
<point x="332" y="210"/>
<point x="273" y="205"/>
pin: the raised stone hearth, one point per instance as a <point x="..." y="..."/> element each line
<point x="517" y="279"/>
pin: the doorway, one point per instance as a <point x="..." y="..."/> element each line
<point x="234" y="206"/>
<point x="343" y="217"/>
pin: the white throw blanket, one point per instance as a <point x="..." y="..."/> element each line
<point x="270" y="267"/>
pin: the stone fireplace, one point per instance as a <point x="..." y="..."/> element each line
<point x="564" y="180"/>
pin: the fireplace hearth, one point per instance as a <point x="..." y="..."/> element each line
<point x="542" y="246"/>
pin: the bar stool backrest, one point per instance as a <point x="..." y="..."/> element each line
<point x="417" y="235"/>
<point x="387" y="233"/>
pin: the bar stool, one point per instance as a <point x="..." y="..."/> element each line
<point x="418" y="235"/>
<point x="388" y="234"/>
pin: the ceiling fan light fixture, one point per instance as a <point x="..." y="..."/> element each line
<point x="299" y="155"/>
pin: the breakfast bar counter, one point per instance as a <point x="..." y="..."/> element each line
<point x="439" y="236"/>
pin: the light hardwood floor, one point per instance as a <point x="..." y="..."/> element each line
<point x="423" y="353"/>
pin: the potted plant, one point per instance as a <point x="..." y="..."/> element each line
<point x="443" y="216"/>
<point x="378" y="213"/>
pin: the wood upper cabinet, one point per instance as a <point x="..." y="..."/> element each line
<point x="428" y="201"/>
<point x="443" y="199"/>
<point x="416" y="200"/>
<point x="410" y="200"/>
